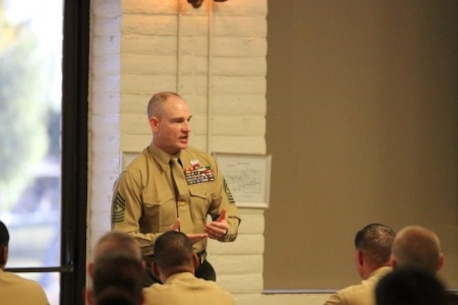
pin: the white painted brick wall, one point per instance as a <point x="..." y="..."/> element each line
<point x="104" y="101"/>
<point x="134" y="53"/>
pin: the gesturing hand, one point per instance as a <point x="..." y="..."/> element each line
<point x="218" y="228"/>
<point x="194" y="237"/>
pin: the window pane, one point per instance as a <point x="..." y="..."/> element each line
<point x="30" y="112"/>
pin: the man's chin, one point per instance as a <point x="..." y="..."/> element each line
<point x="183" y="145"/>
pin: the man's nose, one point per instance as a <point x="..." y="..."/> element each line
<point x="187" y="126"/>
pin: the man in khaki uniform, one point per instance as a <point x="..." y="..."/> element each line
<point x="418" y="247"/>
<point x="116" y="269"/>
<point x="114" y="241"/>
<point x="372" y="259"/>
<point x="117" y="278"/>
<point x="175" y="262"/>
<point x="171" y="186"/>
<point x="13" y="288"/>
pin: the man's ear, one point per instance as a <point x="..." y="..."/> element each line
<point x="195" y="261"/>
<point x="3" y="256"/>
<point x="441" y="262"/>
<point x="155" y="269"/>
<point x="394" y="262"/>
<point x="143" y="264"/>
<point x="154" y="123"/>
<point x="359" y="257"/>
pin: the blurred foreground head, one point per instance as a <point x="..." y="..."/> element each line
<point x="117" y="280"/>
<point x="410" y="286"/>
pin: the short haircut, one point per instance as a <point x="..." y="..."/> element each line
<point x="172" y="249"/>
<point x="4" y="235"/>
<point x="406" y="286"/>
<point x="4" y="240"/>
<point x="118" y="241"/>
<point x="418" y="247"/>
<point x="118" y="279"/>
<point x="375" y="240"/>
<point x="156" y="100"/>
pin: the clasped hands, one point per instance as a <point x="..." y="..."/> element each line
<point x="214" y="230"/>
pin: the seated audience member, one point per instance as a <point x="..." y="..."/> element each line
<point x="372" y="259"/>
<point x="416" y="246"/>
<point x="117" y="280"/>
<point x="114" y="241"/>
<point x="419" y="247"/>
<point x="13" y="288"/>
<point x="175" y="263"/>
<point x="408" y="285"/>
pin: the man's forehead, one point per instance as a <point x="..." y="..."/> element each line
<point x="177" y="111"/>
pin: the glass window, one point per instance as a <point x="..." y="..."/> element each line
<point x="30" y="154"/>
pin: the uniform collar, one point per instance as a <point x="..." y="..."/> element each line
<point x="161" y="156"/>
<point x="180" y="276"/>
<point x="380" y="271"/>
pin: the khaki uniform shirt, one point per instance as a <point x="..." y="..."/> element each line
<point x="360" y="294"/>
<point x="185" y="288"/>
<point x="144" y="203"/>
<point x="18" y="290"/>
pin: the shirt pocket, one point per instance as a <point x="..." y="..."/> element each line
<point x="200" y="203"/>
<point x="159" y="210"/>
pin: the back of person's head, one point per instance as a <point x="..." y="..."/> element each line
<point x="118" y="280"/>
<point x="4" y="235"/>
<point x="118" y="241"/>
<point x="418" y="247"/>
<point x="375" y="241"/>
<point x="172" y="251"/>
<point x="114" y="241"/>
<point x="408" y="286"/>
<point x="4" y="240"/>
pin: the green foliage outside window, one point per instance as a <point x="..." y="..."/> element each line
<point x="23" y="110"/>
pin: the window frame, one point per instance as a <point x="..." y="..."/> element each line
<point x="75" y="80"/>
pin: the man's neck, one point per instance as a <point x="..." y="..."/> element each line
<point x="175" y="270"/>
<point x="371" y="271"/>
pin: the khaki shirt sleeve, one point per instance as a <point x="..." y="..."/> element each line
<point x="127" y="210"/>
<point x="223" y="198"/>
<point x="335" y="299"/>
